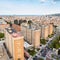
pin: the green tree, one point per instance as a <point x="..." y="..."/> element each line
<point x="43" y="41"/>
<point x="57" y="46"/>
<point x="41" y="59"/>
<point x="32" y="52"/>
<point x="51" y="46"/>
<point x="1" y="35"/>
<point x="55" y="43"/>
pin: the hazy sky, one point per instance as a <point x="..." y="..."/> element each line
<point x="29" y="7"/>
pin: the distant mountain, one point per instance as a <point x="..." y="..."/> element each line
<point x="58" y="14"/>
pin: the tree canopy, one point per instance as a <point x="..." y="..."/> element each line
<point x="1" y="35"/>
<point x="55" y="43"/>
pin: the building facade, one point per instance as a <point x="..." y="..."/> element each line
<point x="44" y="31"/>
<point x="50" y="29"/>
<point x="31" y="35"/>
<point x="15" y="44"/>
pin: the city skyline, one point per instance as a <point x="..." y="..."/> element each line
<point x="29" y="7"/>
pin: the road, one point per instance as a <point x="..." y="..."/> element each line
<point x="49" y="41"/>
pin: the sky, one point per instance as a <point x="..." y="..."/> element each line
<point x="29" y="7"/>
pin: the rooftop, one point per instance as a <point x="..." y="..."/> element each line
<point x="10" y="30"/>
<point x="32" y="27"/>
<point x="14" y="34"/>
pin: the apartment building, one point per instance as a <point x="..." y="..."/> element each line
<point x="50" y="28"/>
<point x="44" y="31"/>
<point x="15" y="43"/>
<point x="16" y="27"/>
<point x="31" y="35"/>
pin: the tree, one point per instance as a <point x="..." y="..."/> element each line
<point x="43" y="41"/>
<point x="1" y="35"/>
<point x="51" y="46"/>
<point x="41" y="59"/>
<point x="32" y="52"/>
<point x="55" y="43"/>
<point x="57" y="46"/>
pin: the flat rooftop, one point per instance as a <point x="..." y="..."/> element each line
<point x="10" y="30"/>
<point x="32" y="27"/>
<point x="13" y="32"/>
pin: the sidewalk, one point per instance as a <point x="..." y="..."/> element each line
<point x="5" y="55"/>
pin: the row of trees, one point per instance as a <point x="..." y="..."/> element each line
<point x="32" y="52"/>
<point x="55" y="43"/>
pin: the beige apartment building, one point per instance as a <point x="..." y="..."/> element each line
<point x="31" y="35"/>
<point x="50" y="28"/>
<point x="36" y="38"/>
<point x="15" y="43"/>
<point x="44" y="31"/>
<point x="24" y="31"/>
